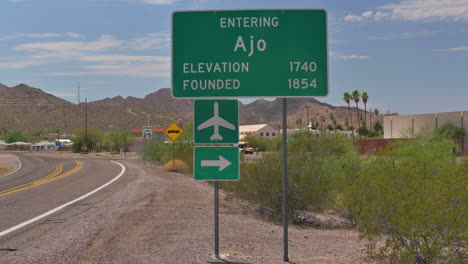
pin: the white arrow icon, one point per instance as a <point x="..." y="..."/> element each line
<point x="222" y="163"/>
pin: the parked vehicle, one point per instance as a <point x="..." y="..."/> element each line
<point x="245" y="147"/>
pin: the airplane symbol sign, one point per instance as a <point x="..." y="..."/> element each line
<point x="216" y="121"/>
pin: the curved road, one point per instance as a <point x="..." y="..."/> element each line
<point x="46" y="181"/>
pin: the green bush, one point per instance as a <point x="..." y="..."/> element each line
<point x="163" y="151"/>
<point x="94" y="136"/>
<point x="263" y="144"/>
<point x="316" y="175"/>
<point x="414" y="196"/>
<point x="15" y="136"/>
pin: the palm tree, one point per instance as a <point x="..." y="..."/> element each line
<point x="364" y="97"/>
<point x="347" y="98"/>
<point x="370" y="119"/>
<point x="376" y="112"/>
<point x="356" y="96"/>
<point x="299" y="123"/>
<point x="322" y="121"/>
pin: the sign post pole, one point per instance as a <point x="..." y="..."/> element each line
<point x="285" y="182"/>
<point x="216" y="218"/>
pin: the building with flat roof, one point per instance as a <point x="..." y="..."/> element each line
<point x="261" y="130"/>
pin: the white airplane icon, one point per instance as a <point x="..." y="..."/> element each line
<point x="216" y="122"/>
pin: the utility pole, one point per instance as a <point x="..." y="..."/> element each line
<point x="84" y="147"/>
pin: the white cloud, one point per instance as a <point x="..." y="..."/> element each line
<point x="33" y="35"/>
<point x="348" y="57"/>
<point x="94" y="58"/>
<point x="148" y="70"/>
<point x="417" y="10"/>
<point x="155" y="2"/>
<point x="125" y="58"/>
<point x="20" y="64"/>
<point x="353" y="57"/>
<point x="73" y="35"/>
<point x="458" y="49"/>
<point x="152" y="41"/>
<point x="353" y="18"/>
<point x="104" y="42"/>
<point x="405" y="35"/>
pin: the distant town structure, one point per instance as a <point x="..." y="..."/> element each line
<point x="404" y="126"/>
<point x="262" y="130"/>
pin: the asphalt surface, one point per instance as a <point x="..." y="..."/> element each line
<point x="151" y="216"/>
<point x="45" y="182"/>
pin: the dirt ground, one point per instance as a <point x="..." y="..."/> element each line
<point x="154" y="216"/>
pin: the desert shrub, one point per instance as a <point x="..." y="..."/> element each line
<point x="176" y="166"/>
<point x="263" y="144"/>
<point x="414" y="196"/>
<point x="316" y="174"/>
<point x="162" y="151"/>
<point x="15" y="136"/>
<point x="94" y="136"/>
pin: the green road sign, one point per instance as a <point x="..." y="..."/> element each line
<point x="216" y="163"/>
<point x="249" y="53"/>
<point x="216" y="121"/>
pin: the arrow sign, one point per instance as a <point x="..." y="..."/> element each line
<point x="216" y="163"/>
<point x="222" y="163"/>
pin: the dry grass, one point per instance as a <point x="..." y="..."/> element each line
<point x="176" y="166"/>
<point x="3" y="170"/>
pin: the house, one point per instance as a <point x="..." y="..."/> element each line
<point x="261" y="130"/>
<point x="44" y="146"/>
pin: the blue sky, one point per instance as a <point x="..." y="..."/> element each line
<point x="411" y="56"/>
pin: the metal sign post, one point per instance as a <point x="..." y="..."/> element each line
<point x="216" y="218"/>
<point x="285" y="181"/>
<point x="247" y="53"/>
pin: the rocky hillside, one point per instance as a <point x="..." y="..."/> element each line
<point x="30" y="109"/>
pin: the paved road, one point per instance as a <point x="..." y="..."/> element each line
<point x="45" y="182"/>
<point x="153" y="216"/>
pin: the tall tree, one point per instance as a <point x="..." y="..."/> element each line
<point x="299" y="123"/>
<point x="322" y="122"/>
<point x="356" y="97"/>
<point x="364" y="97"/>
<point x="347" y="98"/>
<point x="376" y="112"/>
<point x="370" y="118"/>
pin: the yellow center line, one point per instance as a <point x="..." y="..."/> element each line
<point x="49" y="178"/>
<point x="57" y="171"/>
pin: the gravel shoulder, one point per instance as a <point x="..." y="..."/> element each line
<point x="154" y="216"/>
<point x="8" y="161"/>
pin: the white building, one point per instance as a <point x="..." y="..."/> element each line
<point x="261" y="130"/>
<point x="43" y="146"/>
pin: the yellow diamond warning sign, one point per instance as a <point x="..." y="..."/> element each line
<point x="173" y="131"/>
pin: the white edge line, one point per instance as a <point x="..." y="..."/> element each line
<point x="30" y="221"/>
<point x="17" y="169"/>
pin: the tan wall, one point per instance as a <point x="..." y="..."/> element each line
<point x="387" y="122"/>
<point x="395" y="126"/>
<point x="465" y="126"/>
<point x="401" y="126"/>
<point x="424" y="122"/>
<point x="270" y="130"/>
<point x="449" y="117"/>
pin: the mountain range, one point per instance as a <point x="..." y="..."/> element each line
<point x="30" y="109"/>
